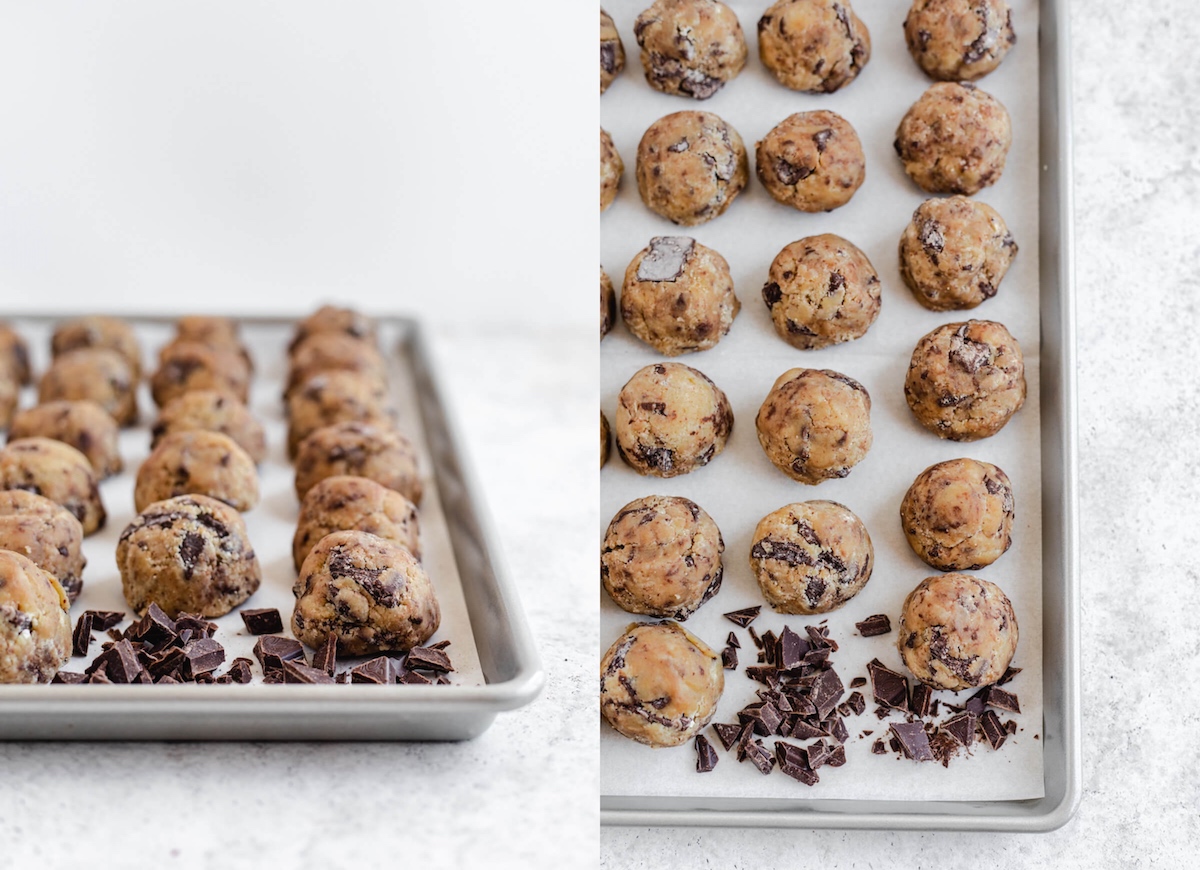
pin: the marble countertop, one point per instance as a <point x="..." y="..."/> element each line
<point x="1137" y="187"/>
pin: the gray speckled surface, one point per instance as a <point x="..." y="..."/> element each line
<point x="495" y="801"/>
<point x="1137" y="183"/>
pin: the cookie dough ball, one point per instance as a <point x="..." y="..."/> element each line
<point x="959" y="40"/>
<point x="958" y="515"/>
<point x="95" y="374"/>
<point x="955" y="252"/>
<point x="612" y="51"/>
<point x="815" y="425"/>
<point x="966" y="380"/>
<point x="660" y="684"/>
<point x="107" y="333"/>
<point x="954" y="139"/>
<point x="605" y="439"/>
<point x="211" y="411"/>
<point x="690" y="167"/>
<point x="811" y="557"/>
<point x="332" y="319"/>
<point x="14" y="356"/>
<point x="47" y="534"/>
<point x="334" y="352"/>
<point x="821" y="290"/>
<point x="59" y="472"/>
<point x="219" y="332"/>
<point x="662" y="557"/>
<point x="957" y="632"/>
<point x="335" y="397"/>
<point x="811" y="161"/>
<point x="359" y="450"/>
<point x="343" y="504"/>
<point x="816" y="46"/>
<point x="83" y="424"/>
<point x="189" y="365"/>
<point x="671" y="419"/>
<point x="197" y="462"/>
<point x="611" y="167"/>
<point x="187" y="554"/>
<point x="10" y="396"/>
<point x="371" y="593"/>
<point x="690" y="47"/>
<point x="608" y="303"/>
<point x="35" y="630"/>
<point x="678" y="296"/>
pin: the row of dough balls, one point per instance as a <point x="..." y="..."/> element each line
<point x="691" y="48"/>
<point x="678" y="295"/>
<point x="691" y="165"/>
<point x="965" y="381"/>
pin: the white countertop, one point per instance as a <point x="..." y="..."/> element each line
<point x="1137" y="209"/>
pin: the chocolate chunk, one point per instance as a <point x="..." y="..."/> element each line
<point x="792" y="649"/>
<point x="706" y="756"/>
<point x="961" y="728"/>
<point x="790" y="173"/>
<point x="782" y="551"/>
<point x="69" y="678"/>
<point x="665" y="258"/>
<point x="758" y="755"/>
<point x="326" y="657"/>
<point x="272" y="651"/>
<point x="733" y="641"/>
<point x="103" y="620"/>
<point x="977" y="702"/>
<point x="968" y="354"/>
<point x="1010" y="727"/>
<point x="821" y="140"/>
<point x="729" y="659"/>
<point x="858" y="682"/>
<point x="919" y="701"/>
<point x="877" y="748"/>
<point x="826" y="692"/>
<point x="190" y="549"/>
<point x="856" y="702"/>
<point x="931" y="237"/>
<point x="154" y="628"/>
<point x="755" y="638"/>
<point x="727" y="734"/>
<point x="873" y="626"/>
<point x="1008" y="675"/>
<point x="913" y="740"/>
<point x="378" y="670"/>
<point x="239" y="671"/>
<point x="992" y="729"/>
<point x="195" y="623"/>
<point x="121" y="662"/>
<point x="81" y="638"/>
<point x="263" y="620"/>
<point x="1002" y="699"/>
<point x="428" y="659"/>
<point x="744" y="617"/>
<point x="837" y="729"/>
<point x="889" y="687"/>
<point x="771" y="294"/>
<point x="414" y="677"/>
<point x="298" y="672"/>
<point x="167" y="662"/>
<point x="202" y="656"/>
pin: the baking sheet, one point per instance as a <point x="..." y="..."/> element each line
<point x="741" y="486"/>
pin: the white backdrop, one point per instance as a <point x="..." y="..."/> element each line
<point x="263" y="157"/>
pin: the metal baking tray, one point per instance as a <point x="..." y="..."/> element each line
<point x="508" y="675"/>
<point x="1061" y="729"/>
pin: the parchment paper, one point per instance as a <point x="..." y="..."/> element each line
<point x="741" y="486"/>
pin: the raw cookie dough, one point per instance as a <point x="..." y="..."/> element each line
<point x="331" y="319"/>
<point x="958" y="40"/>
<point x="954" y="139"/>
<point x="98" y="331"/>
<point x="47" y="534"/>
<point x="94" y="373"/>
<point x="612" y="51"/>
<point x="957" y="632"/>
<point x="660" y="684"/>
<point x="958" y="515"/>
<point x="343" y="504"/>
<point x="671" y="419"/>
<point x="678" y="296"/>
<point x="213" y="411"/>
<point x="35" y="629"/>
<point x="187" y="554"/>
<point x="10" y="396"/>
<point x="690" y="47"/>
<point x="218" y="332"/>
<point x="811" y="557"/>
<point x="370" y="592"/>
<point x="965" y="380"/>
<point x="690" y="167"/>
<point x="197" y="462"/>
<point x="816" y="46"/>
<point x="955" y="252"/>
<point x="611" y="167"/>
<point x="191" y="365"/>
<point x="815" y="425"/>
<point x="14" y="356"/>
<point x="812" y="161"/>
<point x="83" y="424"/>
<point x="59" y="472"/>
<point x="335" y="397"/>
<point x="334" y="351"/>
<point x="608" y="303"/>
<point x="821" y="290"/>
<point x="362" y="450"/>
<point x="605" y="439"/>
<point x="662" y="557"/>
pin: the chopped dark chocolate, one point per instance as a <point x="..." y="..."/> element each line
<point x="706" y="755"/>
<point x="792" y="649"/>
<point x="744" y="617"/>
<point x="727" y="734"/>
<point x="826" y="692"/>
<point x="858" y="682"/>
<point x="428" y="659"/>
<point x="733" y="641"/>
<point x="272" y="651"/>
<point x="326" y="657"/>
<point x="70" y="678"/>
<point x="857" y="703"/>
<point x="758" y="755"/>
<point x="1002" y="699"/>
<point x="103" y="620"/>
<point x="912" y="739"/>
<point x="298" y="672"/>
<point x="890" y="688"/>
<point x="81" y="638"/>
<point x="263" y="620"/>
<point x="992" y="729"/>
<point x="1008" y="675"/>
<point x="415" y="678"/>
<point x="877" y="748"/>
<point x="378" y="670"/>
<point x="239" y="671"/>
<point x="873" y="626"/>
<point x="202" y="656"/>
<point x="754" y="637"/>
<point x="729" y="659"/>
<point x="920" y="700"/>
